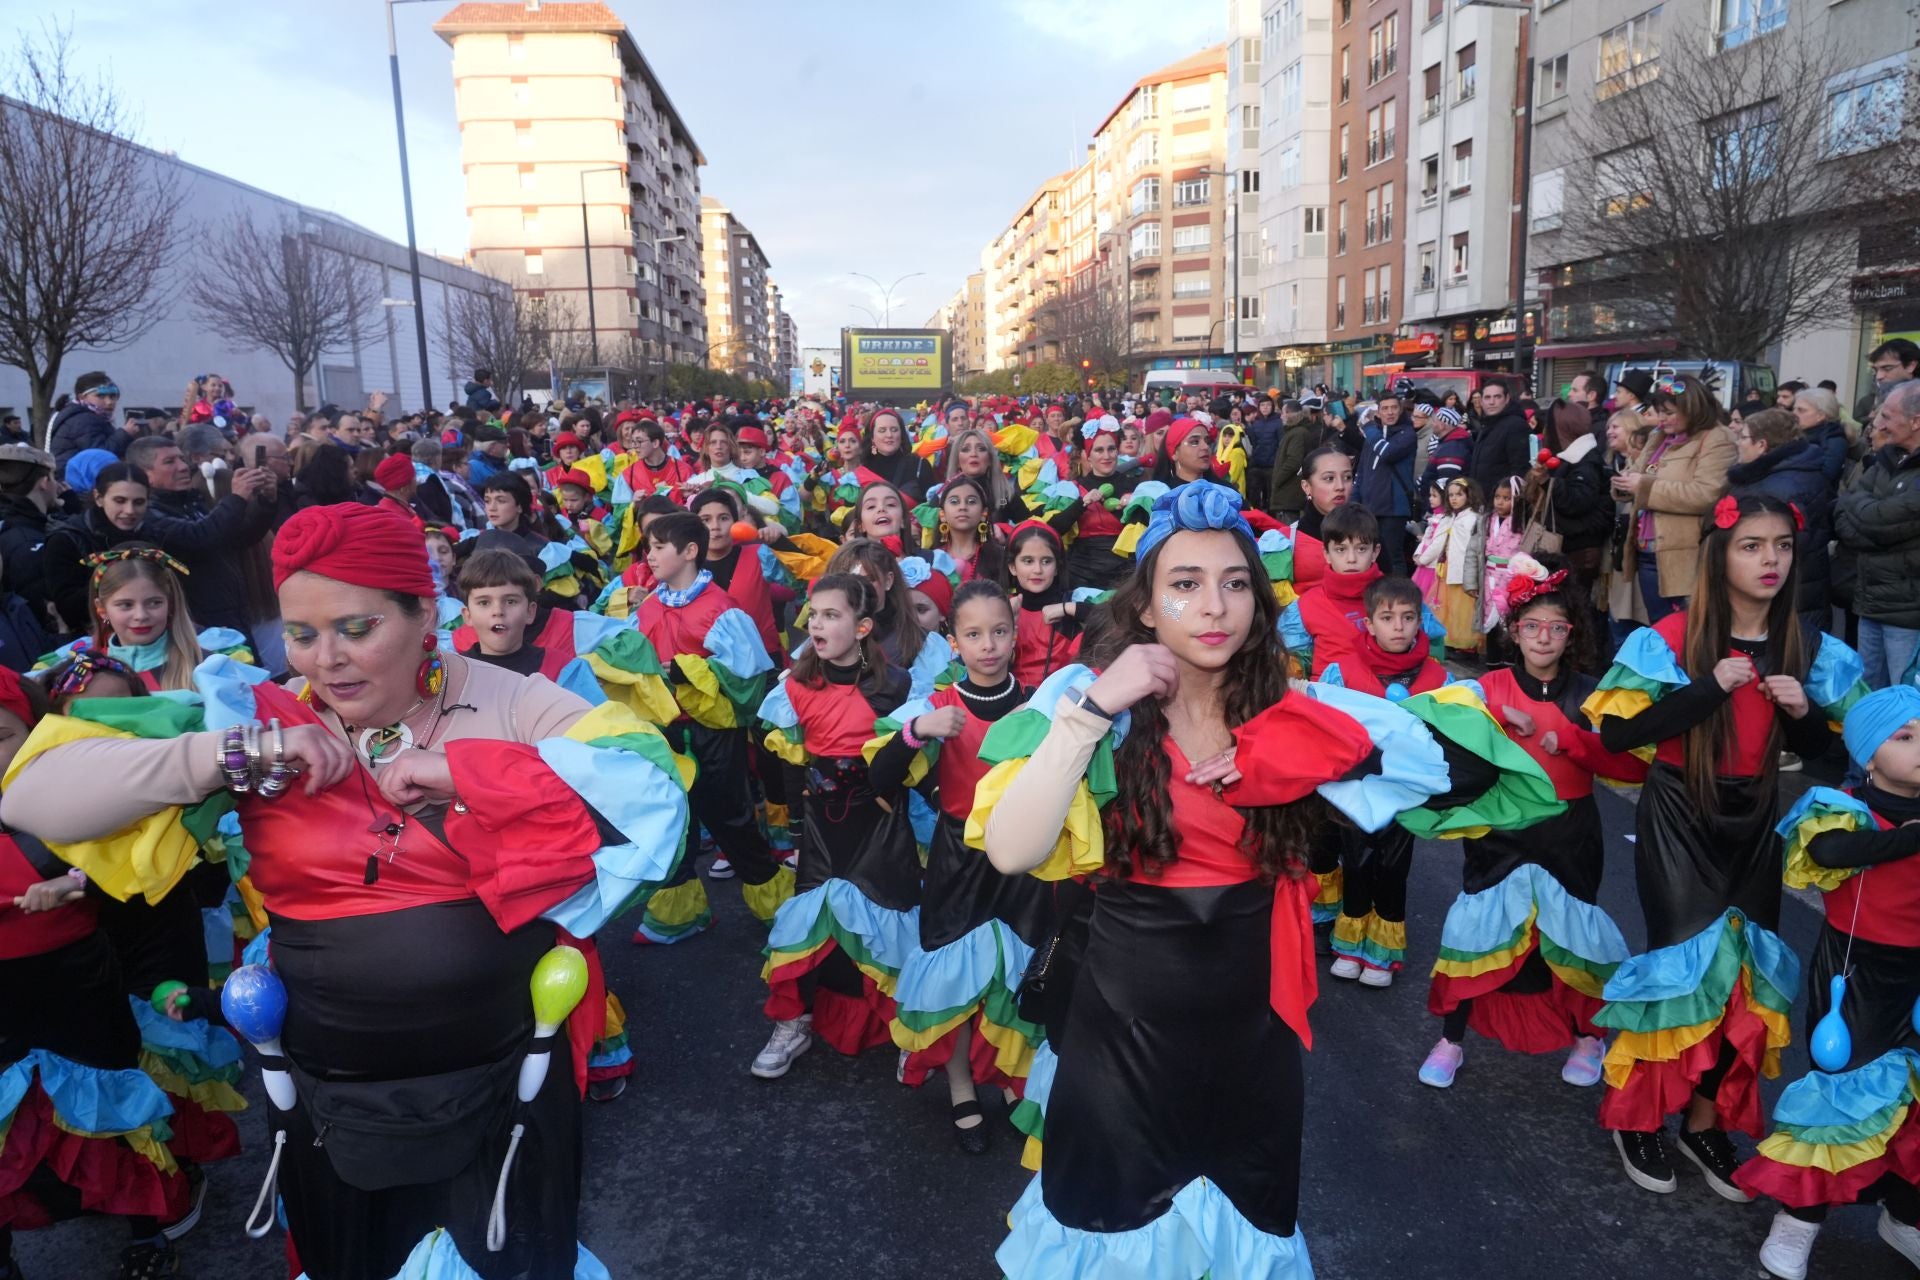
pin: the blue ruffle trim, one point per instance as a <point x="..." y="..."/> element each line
<point x="1647" y="654"/>
<point x="958" y="974"/>
<point x="591" y="630"/>
<point x="890" y="937"/>
<point x="1819" y="1100"/>
<point x="215" y="1046"/>
<point x="1835" y="673"/>
<point x="1293" y="631"/>
<point x="1412" y="765"/>
<point x="1679" y="970"/>
<point x="226" y="690"/>
<point x="85" y="1098"/>
<point x="256" y="950"/>
<point x="436" y="1258"/>
<point x="1039" y="1088"/>
<point x="735" y="644"/>
<point x="1482" y="923"/>
<point x="1201" y="1235"/>
<point x="935" y="654"/>
<point x="1046" y="697"/>
<point x="643" y="803"/>
<point x="776" y="709"/>
<point x="578" y="678"/>
<point x="1824" y="798"/>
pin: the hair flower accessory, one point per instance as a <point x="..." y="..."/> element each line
<point x="1726" y="512"/>
<point x="1799" y="516"/>
<point x="1529" y="578"/>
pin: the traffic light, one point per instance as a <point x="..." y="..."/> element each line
<point x="1089" y="382"/>
<point x="1086" y="364"/>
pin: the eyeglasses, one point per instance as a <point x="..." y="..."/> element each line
<point x="1534" y="630"/>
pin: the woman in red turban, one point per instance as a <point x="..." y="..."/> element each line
<point x="422" y="830"/>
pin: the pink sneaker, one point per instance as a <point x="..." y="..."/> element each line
<point x="1442" y="1064"/>
<point x="1583" y="1063"/>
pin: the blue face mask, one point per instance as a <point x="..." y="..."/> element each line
<point x="150" y="656"/>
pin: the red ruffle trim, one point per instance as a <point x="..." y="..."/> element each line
<point x="620" y="1072"/>
<point x="1656" y="1090"/>
<point x="1803" y="1188"/>
<point x="588" y="1021"/>
<point x="528" y="838"/>
<point x="200" y="1135"/>
<point x="981" y="1060"/>
<point x="851" y="1024"/>
<point x="1537" y="1022"/>
<point x="110" y="1176"/>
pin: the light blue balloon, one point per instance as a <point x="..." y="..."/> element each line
<point x="1832" y="1044"/>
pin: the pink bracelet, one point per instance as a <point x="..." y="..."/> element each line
<point x="906" y="735"/>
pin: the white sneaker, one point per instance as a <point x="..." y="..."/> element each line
<point x="1372" y="977"/>
<point x="900" y="1069"/>
<point x="1345" y="967"/>
<point x="1789" y="1241"/>
<point x="1904" y="1239"/>
<point x="790" y="1039"/>
<point x="720" y="869"/>
<point x="1790" y="763"/>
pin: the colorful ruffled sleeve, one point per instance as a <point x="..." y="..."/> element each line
<point x="1276" y="557"/>
<point x="722" y="688"/>
<point x="1493" y="782"/>
<point x="935" y="656"/>
<point x="1081" y="846"/>
<point x="785" y="736"/>
<point x="228" y="642"/>
<point x="1820" y="810"/>
<point x="1412" y="767"/>
<point x="1139" y="507"/>
<point x="615" y="658"/>
<point x="571" y="828"/>
<point x="1836" y="680"/>
<point x="804" y="555"/>
<point x="888" y="726"/>
<point x="1644" y="671"/>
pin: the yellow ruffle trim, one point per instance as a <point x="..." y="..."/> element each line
<point x="1081" y="848"/>
<point x="1493" y="960"/>
<point x="647" y="695"/>
<point x="765" y="899"/>
<point x="680" y="904"/>
<point x="777" y="743"/>
<point x="916" y="772"/>
<point x="700" y="697"/>
<point x="1789" y="1150"/>
<point x="212" y="1095"/>
<point x="1803" y="872"/>
<point x="148" y="857"/>
<point x="616" y="1018"/>
<point x="1630" y="1047"/>
<point x="809" y="561"/>
<point x="1333" y="887"/>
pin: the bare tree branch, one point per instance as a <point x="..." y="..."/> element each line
<point x="281" y="287"/>
<point x="512" y="333"/>
<point x="1717" y="193"/>
<point x="87" y="218"/>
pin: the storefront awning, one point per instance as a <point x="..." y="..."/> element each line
<point x="1383" y="370"/>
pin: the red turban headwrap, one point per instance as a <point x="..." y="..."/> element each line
<point x="394" y="472"/>
<point x="1178" y="431"/>
<point x="13" y="698"/>
<point x="374" y="547"/>
<point x="937" y="587"/>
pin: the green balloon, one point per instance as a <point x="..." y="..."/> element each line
<point x="559" y="981"/>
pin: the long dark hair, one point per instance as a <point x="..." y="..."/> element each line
<point x="1570" y="598"/>
<point x="1139" y="823"/>
<point x="1710" y="636"/>
<point x="864" y="599"/>
<point x="877" y="564"/>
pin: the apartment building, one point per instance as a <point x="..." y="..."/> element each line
<point x="963" y="316"/>
<point x="1591" y="52"/>
<point x="1372" y="46"/>
<point x="1024" y="269"/>
<point x="734" y="270"/>
<point x="782" y="339"/>
<point x="1458" y="263"/>
<point x="1284" y="50"/>
<point x="562" y="120"/>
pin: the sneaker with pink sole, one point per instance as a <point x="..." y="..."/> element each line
<point x="1442" y="1064"/>
<point x="1583" y="1063"/>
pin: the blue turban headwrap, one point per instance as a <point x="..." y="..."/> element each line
<point x="85" y="466"/>
<point x="1197" y="505"/>
<point x="1877" y="717"/>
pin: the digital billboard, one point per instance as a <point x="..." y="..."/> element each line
<point x="895" y="364"/>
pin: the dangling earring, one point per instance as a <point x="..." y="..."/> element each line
<point x="432" y="676"/>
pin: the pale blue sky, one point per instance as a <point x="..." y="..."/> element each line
<point x="850" y="135"/>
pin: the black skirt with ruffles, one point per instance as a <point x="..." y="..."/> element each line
<point x="1691" y="866"/>
<point x="1883" y="982"/>
<point x="962" y="891"/>
<point x="1174" y="1065"/>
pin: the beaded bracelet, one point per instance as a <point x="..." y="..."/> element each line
<point x="279" y="773"/>
<point x="907" y="735"/>
<point x="233" y="760"/>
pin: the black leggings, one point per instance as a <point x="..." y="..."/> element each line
<point x="1889" y="1190"/>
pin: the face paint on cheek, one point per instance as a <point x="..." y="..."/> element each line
<point x="1171" y="608"/>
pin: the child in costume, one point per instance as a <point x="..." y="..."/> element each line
<point x="140" y="619"/>
<point x="1326" y="478"/>
<point x="968" y="537"/>
<point x="1504" y="528"/>
<point x="1846" y="1132"/>
<point x="1458" y="558"/>
<point x="838" y="945"/>
<point x="956" y="996"/>
<point x="1526" y="949"/>
<point x="1048" y="637"/>
<point x="1717" y="690"/>
<point x="736" y="565"/>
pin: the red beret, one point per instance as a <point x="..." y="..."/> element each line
<point x="1157" y="419"/>
<point x="394" y="472"/>
<point x="752" y="435"/>
<point x="938" y="588"/>
<point x="576" y="477"/>
<point x="364" y="546"/>
<point x="566" y="438"/>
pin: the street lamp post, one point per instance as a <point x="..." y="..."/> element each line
<point x="1233" y="232"/>
<point x="586" y="252"/>
<point x="1523" y="125"/>
<point x="886" y="292"/>
<point x="406" y="195"/>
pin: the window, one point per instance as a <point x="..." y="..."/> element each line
<point x="1250" y="181"/>
<point x="1386" y="212"/>
<point x="1191" y="98"/>
<point x="1742" y="20"/>
<point x="1249" y="307"/>
<point x="516" y="47"/>
<point x="530" y="221"/>
<point x="1346" y="147"/>
<point x="1192" y="328"/>
<point x="1191" y="191"/>
<point x="1250" y="55"/>
<point x="1460" y="258"/>
<point x="1462" y="166"/>
<point x="1464" y="72"/>
<point x="1744" y="145"/>
<point x="523" y="135"/>
<point x="1551" y="82"/>
<point x="1431" y="100"/>
<point x="1288" y="174"/>
<point x="1373" y="218"/>
<point x="1146" y="104"/>
<point x="1192" y="284"/>
<point x="1340" y="303"/>
<point x="1629" y="55"/>
<point x="1146" y="196"/>
<point x="1867" y="113"/>
<point x="1340" y="229"/>
<point x="1346" y="73"/>
<point x="1429" y="263"/>
<point x="1429" y="178"/>
<point x="1313" y="231"/>
<point x="1547" y="199"/>
<point x="1621" y="180"/>
<point x="1146" y="241"/>
<point x="1368" y="282"/>
<point x="1436" y="10"/>
<point x="526" y="177"/>
<point x="1250" y="125"/>
<point x="1195" y="239"/>
<point x="1144" y="151"/>
<point x="1292" y="79"/>
<point x="535" y="264"/>
<point x="1385" y="307"/>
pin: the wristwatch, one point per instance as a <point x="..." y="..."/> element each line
<point x="1080" y="699"/>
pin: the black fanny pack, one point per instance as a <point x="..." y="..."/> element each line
<point x="393" y="1133"/>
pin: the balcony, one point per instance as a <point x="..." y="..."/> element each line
<point x="1341" y="241"/>
<point x="1346" y="87"/>
<point x="1383" y="64"/>
<point x="1386" y="306"/>
<point x="1430" y="108"/>
<point x="1339" y="315"/>
<point x="1386" y="224"/>
<point x="1372" y="235"/>
<point x="1366" y="311"/>
<point x="1426" y="280"/>
<point x="1343" y="167"/>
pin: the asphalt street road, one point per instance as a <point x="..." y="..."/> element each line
<point x="837" y="1171"/>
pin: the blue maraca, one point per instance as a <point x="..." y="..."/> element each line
<point x="255" y="1002"/>
<point x="1914" y="1017"/>
<point x="1832" y="1044"/>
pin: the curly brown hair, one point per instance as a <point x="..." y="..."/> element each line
<point x="1139" y="822"/>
